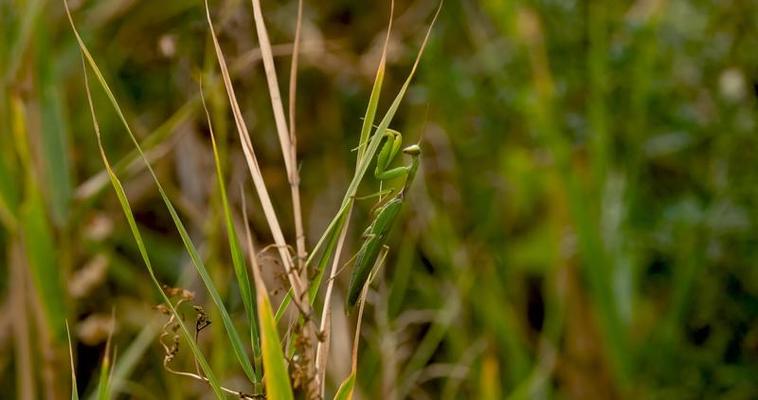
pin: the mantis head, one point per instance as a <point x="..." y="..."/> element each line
<point x="412" y="150"/>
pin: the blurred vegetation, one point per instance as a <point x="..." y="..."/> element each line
<point x="584" y="224"/>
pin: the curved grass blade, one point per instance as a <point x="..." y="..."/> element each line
<point x="124" y="202"/>
<point x="234" y="338"/>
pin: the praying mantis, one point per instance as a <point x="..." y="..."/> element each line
<point x="376" y="234"/>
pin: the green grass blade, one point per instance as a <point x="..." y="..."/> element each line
<point x="53" y="133"/>
<point x="338" y="223"/>
<point x="238" y="258"/>
<point x="373" y="103"/>
<point x="129" y="359"/>
<point x="19" y="44"/>
<point x="121" y="194"/>
<point x="37" y="233"/>
<point x="345" y="391"/>
<point x="126" y="208"/>
<point x="103" y="381"/>
<point x="231" y="331"/>
<point x="276" y="378"/>
<point x="74" y="389"/>
<point x="362" y="162"/>
<point x="373" y="145"/>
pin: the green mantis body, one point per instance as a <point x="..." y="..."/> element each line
<point x="375" y="236"/>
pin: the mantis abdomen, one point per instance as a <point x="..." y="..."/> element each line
<point x="375" y="237"/>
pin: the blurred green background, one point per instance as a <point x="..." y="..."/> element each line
<point x="584" y="226"/>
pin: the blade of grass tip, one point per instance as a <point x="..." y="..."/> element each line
<point x="376" y="140"/>
<point x="231" y="331"/>
<point x="276" y="378"/>
<point x="103" y="382"/>
<point x="252" y="163"/>
<point x="364" y="158"/>
<point x="273" y="85"/>
<point x="74" y="390"/>
<point x="368" y="121"/>
<point x="238" y="258"/>
<point x="126" y="208"/>
<point x="289" y="151"/>
<point x="376" y="89"/>
<point x="128" y="360"/>
<point x="336" y="224"/>
<point x="345" y="391"/>
<point x="293" y="76"/>
<point x="385" y="122"/>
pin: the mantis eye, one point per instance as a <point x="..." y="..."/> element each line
<point x="412" y="150"/>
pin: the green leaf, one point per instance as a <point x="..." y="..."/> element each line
<point x="238" y="258"/>
<point x="74" y="389"/>
<point x="345" y="392"/>
<point x="276" y="377"/>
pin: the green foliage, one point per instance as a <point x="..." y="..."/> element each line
<point x="581" y="225"/>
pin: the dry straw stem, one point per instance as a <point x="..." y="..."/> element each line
<point x="322" y="350"/>
<point x="286" y="138"/>
<point x="299" y="231"/>
<point x="255" y="171"/>
<point x="154" y="144"/>
<point x="296" y="283"/>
